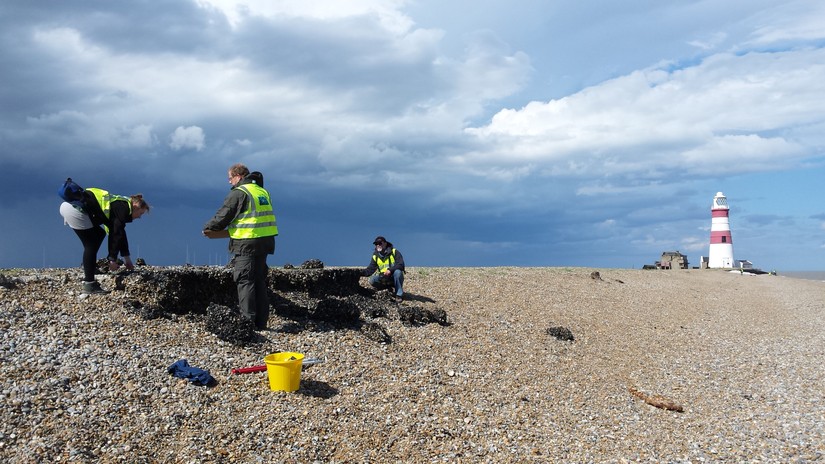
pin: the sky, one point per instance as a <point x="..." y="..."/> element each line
<point x="519" y="133"/>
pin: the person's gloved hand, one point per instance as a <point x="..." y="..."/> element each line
<point x="215" y="233"/>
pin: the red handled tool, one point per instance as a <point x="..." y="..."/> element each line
<point x="248" y="370"/>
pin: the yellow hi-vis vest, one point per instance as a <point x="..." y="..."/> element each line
<point x="258" y="220"/>
<point x="384" y="263"/>
<point x="105" y="199"/>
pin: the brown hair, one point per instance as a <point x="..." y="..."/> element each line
<point x="137" y="200"/>
<point x="239" y="169"/>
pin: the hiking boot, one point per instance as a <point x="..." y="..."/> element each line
<point x="93" y="288"/>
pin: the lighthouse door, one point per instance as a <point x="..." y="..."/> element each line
<point x="727" y="262"/>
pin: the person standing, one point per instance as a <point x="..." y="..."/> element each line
<point x="386" y="268"/>
<point x="247" y="217"/>
<point x="100" y="213"/>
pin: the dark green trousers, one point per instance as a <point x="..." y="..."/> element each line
<point x="250" y="276"/>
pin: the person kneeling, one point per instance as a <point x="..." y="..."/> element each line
<point x="386" y="268"/>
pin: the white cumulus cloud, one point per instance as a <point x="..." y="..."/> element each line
<point x="187" y="137"/>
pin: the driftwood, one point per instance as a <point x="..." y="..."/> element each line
<point x="656" y="400"/>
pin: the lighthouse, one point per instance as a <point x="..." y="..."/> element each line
<point x="721" y="243"/>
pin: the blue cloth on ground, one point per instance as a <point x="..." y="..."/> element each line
<point x="195" y="375"/>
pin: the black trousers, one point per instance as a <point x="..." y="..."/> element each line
<point x="91" y="239"/>
<point x="250" y="276"/>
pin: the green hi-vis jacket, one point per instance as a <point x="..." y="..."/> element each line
<point x="105" y="199"/>
<point x="384" y="263"/>
<point x="258" y="220"/>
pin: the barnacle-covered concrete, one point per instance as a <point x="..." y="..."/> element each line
<point x="312" y="298"/>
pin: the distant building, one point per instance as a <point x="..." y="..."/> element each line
<point x="720" y="254"/>
<point x="744" y="264"/>
<point x="673" y="260"/>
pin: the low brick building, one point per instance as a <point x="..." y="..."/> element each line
<point x="673" y="260"/>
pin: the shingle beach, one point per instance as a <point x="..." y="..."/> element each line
<point x="664" y="366"/>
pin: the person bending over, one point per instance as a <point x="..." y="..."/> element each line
<point x="100" y="213"/>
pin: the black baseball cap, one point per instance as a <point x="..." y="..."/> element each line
<point x="378" y="240"/>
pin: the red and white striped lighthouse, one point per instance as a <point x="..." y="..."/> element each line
<point x="721" y="242"/>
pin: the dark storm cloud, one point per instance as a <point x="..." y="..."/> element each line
<point x="468" y="138"/>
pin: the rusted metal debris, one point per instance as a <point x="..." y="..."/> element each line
<point x="656" y="400"/>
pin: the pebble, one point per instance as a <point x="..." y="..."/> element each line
<point x="84" y="380"/>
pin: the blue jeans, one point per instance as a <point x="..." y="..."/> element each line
<point x="379" y="280"/>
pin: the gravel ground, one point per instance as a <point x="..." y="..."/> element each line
<point x="84" y="380"/>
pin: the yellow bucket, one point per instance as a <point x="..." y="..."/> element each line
<point x="284" y="370"/>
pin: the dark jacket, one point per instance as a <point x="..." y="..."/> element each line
<point x="236" y="202"/>
<point x="120" y="214"/>
<point x="373" y="266"/>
